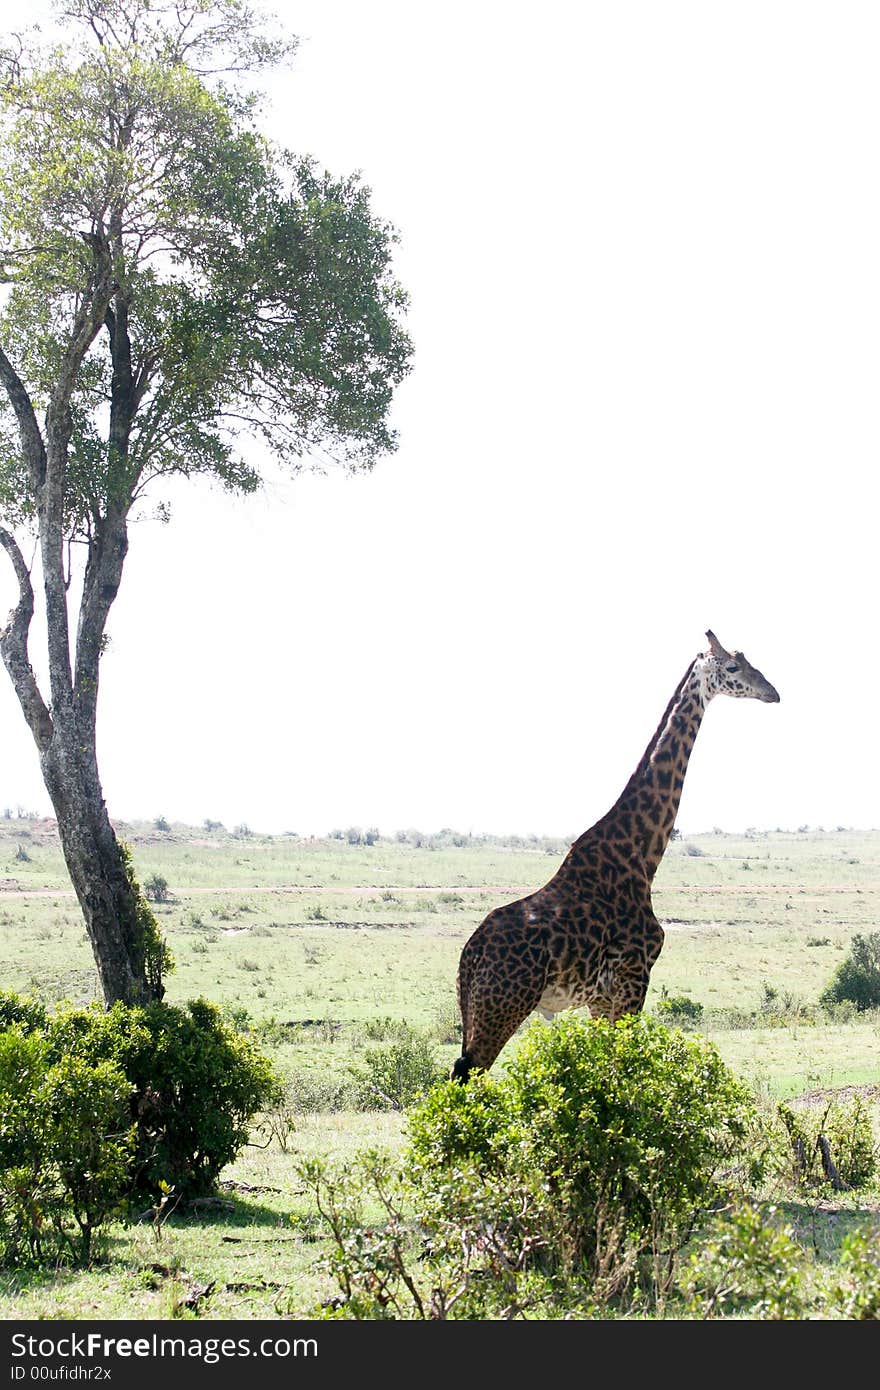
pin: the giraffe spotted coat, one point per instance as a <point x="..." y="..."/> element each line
<point x="590" y="936"/>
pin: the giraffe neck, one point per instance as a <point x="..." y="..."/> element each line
<point x="646" y="809"/>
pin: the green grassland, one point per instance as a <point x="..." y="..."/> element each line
<point x="322" y="935"/>
<point x="314" y="946"/>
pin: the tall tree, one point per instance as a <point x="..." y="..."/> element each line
<point x="177" y="288"/>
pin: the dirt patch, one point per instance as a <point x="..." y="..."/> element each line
<point x="868" y="1092"/>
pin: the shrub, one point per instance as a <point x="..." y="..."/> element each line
<point x="745" y="1267"/>
<point x="30" y="1013"/>
<point x="197" y="1084"/>
<point x="625" y="1127"/>
<point x="555" y="1190"/>
<point x="829" y="1146"/>
<point x="66" y="1147"/>
<point x="381" y="1029"/>
<point x="856" y="1291"/>
<point x="679" y="1011"/>
<point x="857" y="978"/>
<point x="90" y="1139"/>
<point x="779" y="1007"/>
<point x="394" y="1075"/>
<point x="156" y="888"/>
<point x="462" y="1256"/>
<point x="24" y="1184"/>
<point x="302" y="1093"/>
<point x="192" y="1084"/>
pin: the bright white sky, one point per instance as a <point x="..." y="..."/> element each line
<point x="642" y="244"/>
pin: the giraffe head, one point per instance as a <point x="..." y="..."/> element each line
<point x="729" y="673"/>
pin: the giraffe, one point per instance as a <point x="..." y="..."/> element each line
<point x="590" y="936"/>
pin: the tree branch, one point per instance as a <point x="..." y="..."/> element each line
<point x="88" y="322"/>
<point x="13" y="646"/>
<point x="32" y="444"/>
<point x="107" y="552"/>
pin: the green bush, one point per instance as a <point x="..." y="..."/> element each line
<point x="90" y="1139"/>
<point x="196" y="1084"/>
<point x="857" y="978"/>
<point x="745" y="1266"/>
<point x="395" y="1075"/>
<point x="192" y="1084"/>
<point x="302" y="1093"/>
<point x="855" y="1292"/>
<point x="66" y="1148"/>
<point x="465" y="1254"/>
<point x="17" y="1008"/>
<point x="679" y="1011"/>
<point x="817" y="1137"/>
<point x="562" y="1188"/>
<point x="624" y="1128"/>
<point x="851" y="1139"/>
<point x="156" y="889"/>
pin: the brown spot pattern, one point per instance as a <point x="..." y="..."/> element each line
<point x="590" y="937"/>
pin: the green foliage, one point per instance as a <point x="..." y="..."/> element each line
<point x="196" y="1082"/>
<point x="156" y="889"/>
<point x="625" y="1127"/>
<point x="256" y="289"/>
<point x="366" y="1256"/>
<point x="198" y="1085"/>
<point x="857" y="978"/>
<point x="469" y="1125"/>
<point x="465" y="1254"/>
<point x="90" y="1139"/>
<point x="831" y="1145"/>
<point x="851" y="1139"/>
<point x="66" y="1149"/>
<point x="745" y="1266"/>
<point x="154" y="952"/>
<point x="679" y="1010"/>
<point x="562" y="1189"/>
<point x="191" y="1086"/>
<point x="855" y="1291"/>
<point x="20" y="1009"/>
<point x="397" y="1074"/>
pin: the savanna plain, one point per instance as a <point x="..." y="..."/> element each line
<point x="322" y="950"/>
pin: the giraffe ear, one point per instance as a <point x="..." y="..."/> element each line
<point x="716" y="647"/>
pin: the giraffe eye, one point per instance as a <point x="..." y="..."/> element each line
<point x="731" y="670"/>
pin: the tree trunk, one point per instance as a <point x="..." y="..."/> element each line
<point x="110" y="902"/>
<point x="127" y="946"/>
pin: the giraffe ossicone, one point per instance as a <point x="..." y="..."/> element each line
<point x="590" y="937"/>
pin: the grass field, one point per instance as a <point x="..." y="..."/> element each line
<point x="315" y="945"/>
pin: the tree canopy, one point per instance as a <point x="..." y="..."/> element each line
<point x="244" y="292"/>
